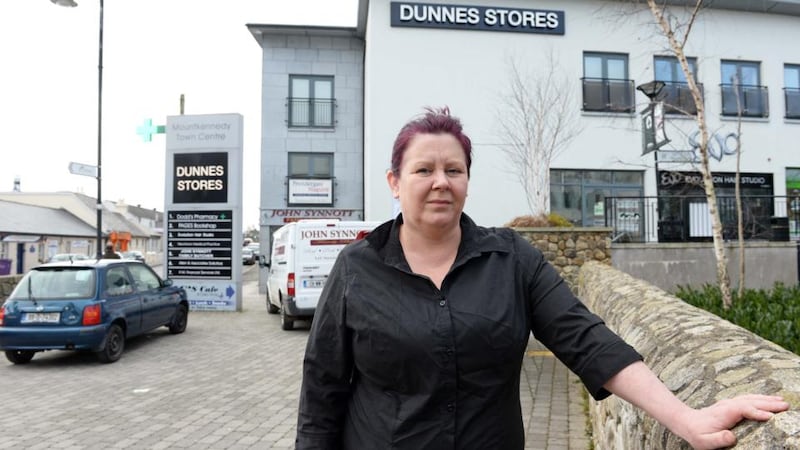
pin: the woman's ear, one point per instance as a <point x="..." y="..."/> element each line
<point x="392" y="180"/>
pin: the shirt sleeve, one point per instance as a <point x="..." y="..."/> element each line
<point x="563" y="324"/>
<point x="327" y="368"/>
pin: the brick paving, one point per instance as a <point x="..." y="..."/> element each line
<point x="230" y="381"/>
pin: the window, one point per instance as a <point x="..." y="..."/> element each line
<point x="311" y="103"/>
<point x="606" y="86"/>
<point x="311" y="165"/>
<point x="579" y="195"/>
<point x="676" y="95"/>
<point x="742" y="93"/>
<point x="791" y="90"/>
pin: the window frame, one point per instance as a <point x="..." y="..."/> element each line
<point x="313" y="103"/>
<point x="791" y="91"/>
<point x="753" y="97"/>
<point x="676" y="95"/>
<point x="601" y="91"/>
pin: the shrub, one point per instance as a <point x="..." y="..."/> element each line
<point x="774" y="315"/>
<point x="542" y="220"/>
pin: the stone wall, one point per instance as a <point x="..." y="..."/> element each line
<point x="569" y="248"/>
<point x="7" y="284"/>
<point x="699" y="356"/>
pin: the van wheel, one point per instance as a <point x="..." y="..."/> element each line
<point x="287" y="323"/>
<point x="272" y="309"/>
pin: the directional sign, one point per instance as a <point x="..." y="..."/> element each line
<point x="653" y="136"/>
<point x="83" y="169"/>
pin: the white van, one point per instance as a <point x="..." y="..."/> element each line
<point x="302" y="256"/>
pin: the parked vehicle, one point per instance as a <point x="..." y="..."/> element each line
<point x="248" y="257"/>
<point x="133" y="254"/>
<point x="302" y="256"/>
<point x="67" y="257"/>
<point x="90" y="305"/>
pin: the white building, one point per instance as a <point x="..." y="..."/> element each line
<point x="404" y="56"/>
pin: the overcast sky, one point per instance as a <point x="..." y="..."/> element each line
<point x="153" y="51"/>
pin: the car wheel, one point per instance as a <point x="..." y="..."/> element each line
<point x="19" y="356"/>
<point x="287" y="323"/>
<point x="178" y="324"/>
<point x="272" y="309"/>
<point x="114" y="345"/>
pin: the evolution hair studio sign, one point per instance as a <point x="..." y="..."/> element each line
<point x="483" y="18"/>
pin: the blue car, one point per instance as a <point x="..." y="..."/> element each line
<point x="92" y="305"/>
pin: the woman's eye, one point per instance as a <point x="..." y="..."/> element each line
<point x="454" y="171"/>
<point x="423" y="171"/>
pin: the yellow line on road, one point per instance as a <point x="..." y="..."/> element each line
<point x="534" y="353"/>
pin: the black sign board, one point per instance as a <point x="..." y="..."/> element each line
<point x="199" y="244"/>
<point x="200" y="178"/>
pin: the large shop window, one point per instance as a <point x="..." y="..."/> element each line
<point x="791" y="90"/>
<point x="684" y="213"/>
<point x="676" y="95"/>
<point x="742" y="93"/>
<point x="606" y="87"/>
<point x="311" y="103"/>
<point x="579" y="195"/>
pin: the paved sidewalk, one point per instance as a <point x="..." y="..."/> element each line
<point x="231" y="381"/>
<point x="552" y="403"/>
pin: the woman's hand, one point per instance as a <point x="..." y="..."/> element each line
<point x="709" y="428"/>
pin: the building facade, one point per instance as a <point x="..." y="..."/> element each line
<point x="464" y="55"/>
<point x="312" y="125"/>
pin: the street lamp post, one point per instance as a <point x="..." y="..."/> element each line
<point x="99" y="205"/>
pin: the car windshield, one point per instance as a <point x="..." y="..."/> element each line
<point x="56" y="283"/>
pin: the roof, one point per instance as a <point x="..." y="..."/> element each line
<point x="19" y="218"/>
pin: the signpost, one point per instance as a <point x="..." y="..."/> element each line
<point x="83" y="169"/>
<point x="653" y="135"/>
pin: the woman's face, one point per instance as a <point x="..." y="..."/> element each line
<point x="432" y="182"/>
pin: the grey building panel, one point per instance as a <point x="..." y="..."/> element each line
<point x="306" y="55"/>
<point x="325" y="68"/>
<point x="297" y="67"/>
<point x="20" y="218"/>
<point x="320" y="42"/>
<point x="298" y="42"/>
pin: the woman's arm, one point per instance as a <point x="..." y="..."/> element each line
<point x="327" y="369"/>
<point x="705" y="428"/>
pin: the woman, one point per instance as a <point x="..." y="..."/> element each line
<point x="420" y="331"/>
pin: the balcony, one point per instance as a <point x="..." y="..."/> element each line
<point x="677" y="98"/>
<point x="792" y="97"/>
<point x="687" y="218"/>
<point x="310" y="112"/>
<point x="753" y="100"/>
<point x="607" y="95"/>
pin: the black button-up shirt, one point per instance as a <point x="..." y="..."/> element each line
<point x="392" y="362"/>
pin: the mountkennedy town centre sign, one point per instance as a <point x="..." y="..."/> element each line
<point x="483" y="18"/>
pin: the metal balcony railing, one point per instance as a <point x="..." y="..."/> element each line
<point x="792" y="97"/>
<point x="310" y="112"/>
<point x="608" y="95"/>
<point x="687" y="218"/>
<point x="677" y="98"/>
<point x="753" y="100"/>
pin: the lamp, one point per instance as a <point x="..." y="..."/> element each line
<point x="99" y="205"/>
<point x="651" y="89"/>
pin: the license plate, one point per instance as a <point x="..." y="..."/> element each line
<point x="50" y="317"/>
<point x="313" y="284"/>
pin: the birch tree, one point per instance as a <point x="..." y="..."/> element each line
<point x="537" y="121"/>
<point x="677" y="33"/>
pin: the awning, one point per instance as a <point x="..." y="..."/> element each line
<point x="21" y="238"/>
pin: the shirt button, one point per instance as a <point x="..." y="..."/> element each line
<point x="451" y="407"/>
<point x="449" y="351"/>
<point x="442" y="303"/>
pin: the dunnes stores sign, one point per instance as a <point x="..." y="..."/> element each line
<point x="483" y="18"/>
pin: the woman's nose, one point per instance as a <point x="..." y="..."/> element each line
<point x="440" y="179"/>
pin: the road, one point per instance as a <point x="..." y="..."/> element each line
<point x="229" y="382"/>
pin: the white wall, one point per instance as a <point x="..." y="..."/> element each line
<point x="407" y="69"/>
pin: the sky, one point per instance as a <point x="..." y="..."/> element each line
<point x="153" y="51"/>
